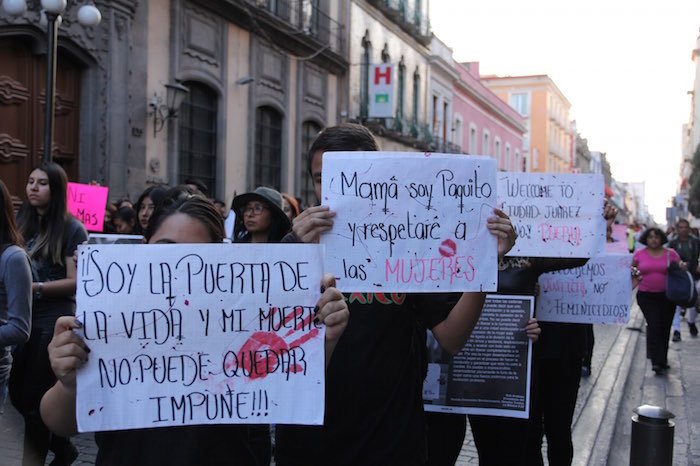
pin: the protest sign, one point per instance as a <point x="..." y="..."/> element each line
<point x="491" y="375"/>
<point x="87" y="203"/>
<point x="555" y="215"/>
<point x="410" y="221"/>
<point x="184" y="334"/>
<point x="599" y="292"/>
<point x="619" y="240"/>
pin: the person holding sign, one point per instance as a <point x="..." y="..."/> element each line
<point x="15" y="289"/>
<point x="374" y="407"/>
<point x="652" y="262"/>
<point x="181" y="218"/>
<point x="52" y="235"/>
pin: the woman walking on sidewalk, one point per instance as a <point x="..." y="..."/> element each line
<point x="652" y="262"/>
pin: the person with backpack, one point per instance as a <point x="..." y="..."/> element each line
<point x="688" y="248"/>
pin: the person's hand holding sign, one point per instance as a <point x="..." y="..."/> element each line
<point x="313" y="221"/>
<point x="502" y="228"/>
<point x="332" y="311"/>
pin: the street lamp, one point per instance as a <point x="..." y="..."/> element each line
<point x="175" y="93"/>
<point x="88" y="15"/>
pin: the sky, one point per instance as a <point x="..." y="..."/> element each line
<point x="625" y="66"/>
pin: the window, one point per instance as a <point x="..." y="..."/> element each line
<point x="309" y="130"/>
<point x="486" y="145"/>
<point x="197" y="136"/>
<point x="433" y="128"/>
<point x="401" y="90"/>
<point x="309" y="17"/>
<point x="473" y="143"/>
<point x="416" y="95"/>
<point x="364" y="75"/>
<point x="268" y="147"/>
<point x="458" y="133"/>
<point x="509" y="166"/>
<point x="521" y="103"/>
<point x="497" y="152"/>
<point x="444" y="120"/>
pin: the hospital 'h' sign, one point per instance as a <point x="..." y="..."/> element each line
<point x="381" y="91"/>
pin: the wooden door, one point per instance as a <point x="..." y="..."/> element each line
<point x="22" y="101"/>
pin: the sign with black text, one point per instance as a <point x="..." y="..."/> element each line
<point x="409" y="221"/>
<point x="184" y="334"/>
<point x="599" y="292"/>
<point x="555" y="214"/>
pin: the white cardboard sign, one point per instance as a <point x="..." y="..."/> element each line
<point x="184" y="334"/>
<point x="599" y="292"/>
<point x="409" y="221"/>
<point x="555" y="215"/>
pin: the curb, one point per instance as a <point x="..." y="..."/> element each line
<point x="594" y="428"/>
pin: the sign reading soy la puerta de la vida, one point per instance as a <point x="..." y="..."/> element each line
<point x="184" y="334"/>
<point x="408" y="221"/>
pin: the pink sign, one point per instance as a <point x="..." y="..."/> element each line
<point x="619" y="236"/>
<point x="87" y="203"/>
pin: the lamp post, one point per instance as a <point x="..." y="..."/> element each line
<point x="88" y="15"/>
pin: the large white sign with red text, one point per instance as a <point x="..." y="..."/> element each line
<point x="409" y="221"/>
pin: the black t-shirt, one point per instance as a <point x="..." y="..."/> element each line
<point x="46" y="310"/>
<point x="176" y="446"/>
<point x="374" y="406"/>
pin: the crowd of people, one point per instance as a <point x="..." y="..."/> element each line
<point x="374" y="410"/>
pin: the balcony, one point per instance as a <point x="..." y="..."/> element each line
<point x="407" y="17"/>
<point x="299" y="27"/>
<point x="411" y="133"/>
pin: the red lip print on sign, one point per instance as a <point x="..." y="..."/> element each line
<point x="448" y="248"/>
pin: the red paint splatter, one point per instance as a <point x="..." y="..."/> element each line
<point x="187" y="302"/>
<point x="304" y="338"/>
<point x="448" y="248"/>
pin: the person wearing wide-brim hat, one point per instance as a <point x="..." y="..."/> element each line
<point x="260" y="217"/>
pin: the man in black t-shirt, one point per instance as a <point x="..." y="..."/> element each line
<point x="374" y="406"/>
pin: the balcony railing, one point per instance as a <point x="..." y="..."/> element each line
<point x="408" y="17"/>
<point x="412" y="133"/>
<point x="308" y="19"/>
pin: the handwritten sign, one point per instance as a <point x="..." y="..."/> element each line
<point x="410" y="221"/>
<point x="555" y="215"/>
<point x="599" y="292"/>
<point x="491" y="374"/>
<point x="199" y="334"/>
<point x="87" y="203"/>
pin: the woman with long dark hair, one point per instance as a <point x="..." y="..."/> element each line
<point x="51" y="236"/>
<point x="146" y="204"/>
<point x="182" y="217"/>
<point x="15" y="289"/>
<point x="658" y="311"/>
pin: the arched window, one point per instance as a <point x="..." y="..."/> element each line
<point x="197" y="136"/>
<point x="309" y="130"/>
<point x="268" y="147"/>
